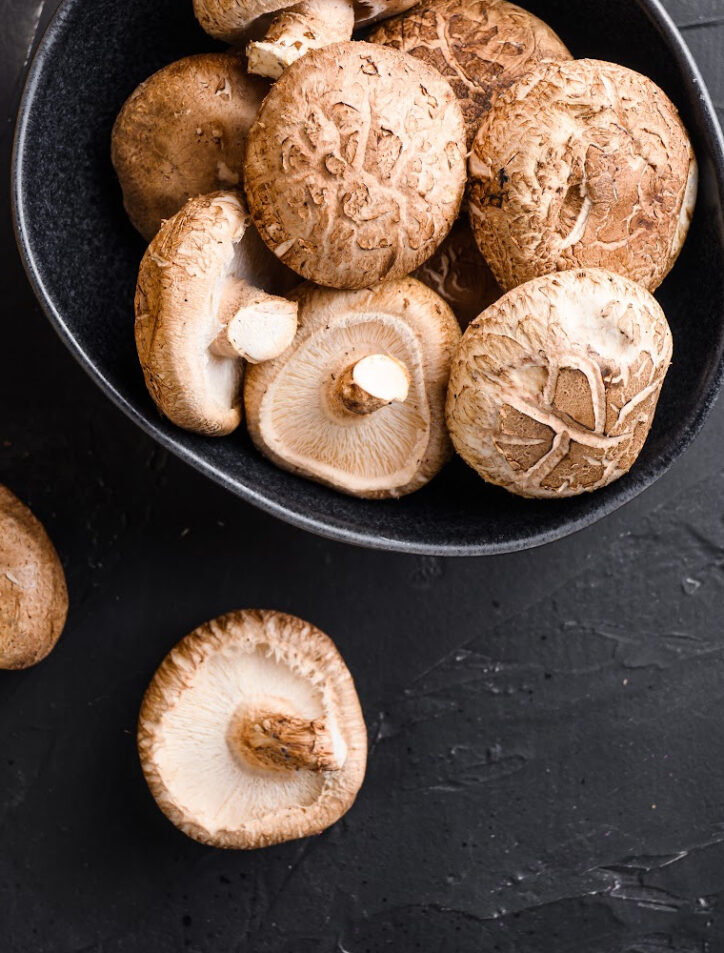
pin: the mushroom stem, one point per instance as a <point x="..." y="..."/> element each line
<point x="372" y="383"/>
<point x="305" y="26"/>
<point x="275" y="741"/>
<point x="256" y="326"/>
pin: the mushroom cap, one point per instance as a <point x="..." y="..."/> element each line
<point x="389" y="453"/>
<point x="582" y="164"/>
<point x="480" y="46"/>
<point x="231" y="20"/>
<point x="182" y="133"/>
<point x="33" y="594"/>
<point x="178" y="298"/>
<point x="355" y="166"/>
<point x="233" y="663"/>
<point x="553" y="389"/>
<point x="460" y="275"/>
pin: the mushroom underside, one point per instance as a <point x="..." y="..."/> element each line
<point x="360" y="453"/>
<point x="230" y="793"/>
<point x="251" y="732"/>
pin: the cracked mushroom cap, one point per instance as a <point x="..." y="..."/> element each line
<point x="554" y="388"/>
<point x="582" y="164"/>
<point x="460" y="275"/>
<point x="480" y="46"/>
<point x="251" y="732"/>
<point x="202" y="309"/>
<point x="33" y="594"/>
<point x="357" y="402"/>
<point x="355" y="166"/>
<point x="182" y="133"/>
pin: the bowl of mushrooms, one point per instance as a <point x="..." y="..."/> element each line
<point x="440" y="277"/>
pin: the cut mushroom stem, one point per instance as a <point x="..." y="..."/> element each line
<point x="256" y="326"/>
<point x="276" y="741"/>
<point x="372" y="383"/>
<point x="305" y="26"/>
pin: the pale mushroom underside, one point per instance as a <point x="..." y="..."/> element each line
<point x="292" y="416"/>
<point x="244" y="662"/>
<point x="181" y="288"/>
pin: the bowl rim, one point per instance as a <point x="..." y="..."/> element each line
<point x="691" y="75"/>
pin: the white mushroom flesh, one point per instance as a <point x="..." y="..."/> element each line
<point x="204" y="774"/>
<point x="202" y="306"/>
<point x="383" y="377"/>
<point x="256" y="326"/>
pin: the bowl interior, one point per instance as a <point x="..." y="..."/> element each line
<point x="82" y="256"/>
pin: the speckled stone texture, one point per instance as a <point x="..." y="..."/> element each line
<point x="546" y="771"/>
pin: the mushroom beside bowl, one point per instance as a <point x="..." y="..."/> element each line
<point x="82" y="257"/>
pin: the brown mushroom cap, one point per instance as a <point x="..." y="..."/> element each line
<point x="582" y="164"/>
<point x="554" y="388"/>
<point x="323" y="412"/>
<point x="480" y="46"/>
<point x="251" y="732"/>
<point x="355" y="166"/>
<point x="231" y="20"/>
<point x="460" y="275"/>
<point x="197" y="279"/>
<point x="33" y="594"/>
<point x="182" y="133"/>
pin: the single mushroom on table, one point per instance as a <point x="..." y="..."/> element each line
<point x="357" y="402"/>
<point x="355" y="166"/>
<point x="251" y="732"/>
<point x="285" y="30"/>
<point x="481" y="47"/>
<point x="460" y="275"/>
<point x="582" y="164"/>
<point x="554" y="388"/>
<point x="203" y="307"/>
<point x="182" y="133"/>
<point x="33" y="594"/>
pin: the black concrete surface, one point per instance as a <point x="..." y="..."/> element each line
<point x="546" y="729"/>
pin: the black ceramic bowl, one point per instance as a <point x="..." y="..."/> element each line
<point x="82" y="256"/>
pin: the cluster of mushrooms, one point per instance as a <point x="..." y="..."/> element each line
<point x="577" y="183"/>
<point x="453" y="168"/>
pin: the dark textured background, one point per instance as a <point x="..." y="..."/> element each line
<point x="547" y="729"/>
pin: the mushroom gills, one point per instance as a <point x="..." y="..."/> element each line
<point x="234" y="789"/>
<point x="310" y="425"/>
<point x="256" y="326"/>
<point x="305" y="26"/>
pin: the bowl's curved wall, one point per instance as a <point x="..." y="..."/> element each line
<point x="82" y="256"/>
